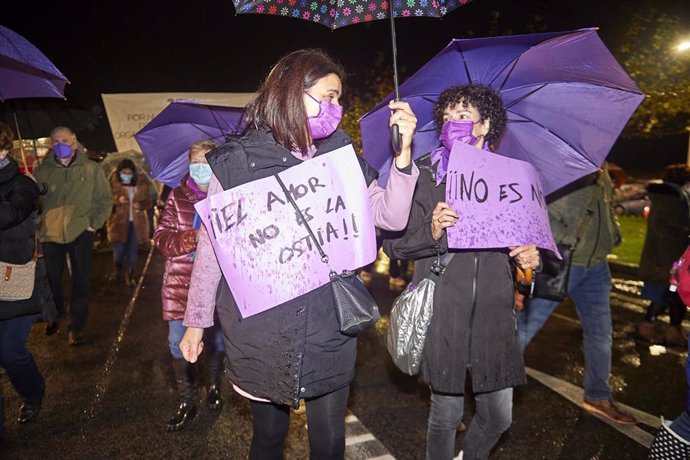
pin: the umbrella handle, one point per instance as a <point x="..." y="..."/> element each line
<point x="396" y="138"/>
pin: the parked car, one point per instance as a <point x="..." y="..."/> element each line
<point x="634" y="207"/>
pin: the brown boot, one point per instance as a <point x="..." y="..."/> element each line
<point x="675" y="337"/>
<point x="645" y="331"/>
<point x="609" y="410"/>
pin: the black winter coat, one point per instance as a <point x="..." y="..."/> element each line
<point x="18" y="207"/>
<point x="668" y="226"/>
<point x="295" y="350"/>
<point x="473" y="327"/>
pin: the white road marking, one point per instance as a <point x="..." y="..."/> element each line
<point x="573" y="393"/>
<point x="352" y="440"/>
<point x="104" y="381"/>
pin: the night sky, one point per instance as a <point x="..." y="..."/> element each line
<point x="196" y="45"/>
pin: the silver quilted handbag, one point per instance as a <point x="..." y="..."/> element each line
<point x="410" y="318"/>
<point x="17" y="281"/>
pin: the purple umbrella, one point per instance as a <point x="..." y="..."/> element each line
<point x="566" y="96"/>
<point x="165" y="140"/>
<point x="25" y="71"/>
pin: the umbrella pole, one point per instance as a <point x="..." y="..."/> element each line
<point x="395" y="130"/>
<point x="21" y="142"/>
<point x="395" y="50"/>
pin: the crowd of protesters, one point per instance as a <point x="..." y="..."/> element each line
<point x="474" y="337"/>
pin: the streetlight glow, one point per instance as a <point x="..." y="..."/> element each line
<point x="683" y="46"/>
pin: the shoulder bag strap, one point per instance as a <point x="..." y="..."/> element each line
<point x="324" y="257"/>
<point x="588" y="215"/>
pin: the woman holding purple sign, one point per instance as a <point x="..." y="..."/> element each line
<point x="472" y="330"/>
<point x="294" y="351"/>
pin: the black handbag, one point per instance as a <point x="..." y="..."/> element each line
<point x="355" y="308"/>
<point x="552" y="281"/>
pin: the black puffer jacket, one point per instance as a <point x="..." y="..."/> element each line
<point x="18" y="206"/>
<point x="294" y="350"/>
<point x="473" y="324"/>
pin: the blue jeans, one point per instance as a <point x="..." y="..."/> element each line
<point x="494" y="416"/>
<point x="589" y="288"/>
<point x="125" y="252"/>
<point x="17" y="361"/>
<point x="213" y="338"/>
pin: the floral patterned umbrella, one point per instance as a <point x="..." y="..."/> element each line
<point x="339" y="13"/>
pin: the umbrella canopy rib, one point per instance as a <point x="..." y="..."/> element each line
<point x="554" y="134"/>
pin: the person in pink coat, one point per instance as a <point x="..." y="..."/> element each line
<point x="176" y="238"/>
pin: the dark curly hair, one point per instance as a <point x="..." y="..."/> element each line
<point x="482" y="98"/>
<point x="6" y="137"/>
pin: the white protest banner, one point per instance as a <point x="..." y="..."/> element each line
<point x="129" y="112"/>
<point x="262" y="246"/>
<point x="499" y="200"/>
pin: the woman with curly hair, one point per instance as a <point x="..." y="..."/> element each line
<point x="472" y="334"/>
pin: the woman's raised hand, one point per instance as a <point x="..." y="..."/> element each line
<point x="403" y="116"/>
<point x="191" y="344"/>
<point x="442" y="217"/>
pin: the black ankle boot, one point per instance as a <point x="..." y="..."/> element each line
<point x="185" y="413"/>
<point x="116" y="276"/>
<point x="29" y="412"/>
<point x="130" y="281"/>
<point x="215" y="370"/>
<point x="184" y="377"/>
<point x="213" y="398"/>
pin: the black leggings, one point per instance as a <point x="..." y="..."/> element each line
<point x="326" y="426"/>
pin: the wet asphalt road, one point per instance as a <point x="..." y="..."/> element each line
<point x="111" y="397"/>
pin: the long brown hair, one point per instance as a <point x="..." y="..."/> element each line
<point x="279" y="104"/>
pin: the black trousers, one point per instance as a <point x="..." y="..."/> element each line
<point x="325" y="422"/>
<point x="80" y="252"/>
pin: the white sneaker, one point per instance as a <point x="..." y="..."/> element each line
<point x="459" y="457"/>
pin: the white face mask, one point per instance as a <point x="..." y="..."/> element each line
<point x="201" y="173"/>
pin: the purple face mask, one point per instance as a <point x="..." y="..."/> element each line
<point x="326" y="122"/>
<point x="62" y="151"/>
<point x="452" y="130"/>
<point x="457" y="130"/>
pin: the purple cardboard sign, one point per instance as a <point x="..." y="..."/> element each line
<point x="499" y="200"/>
<point x="262" y="246"/>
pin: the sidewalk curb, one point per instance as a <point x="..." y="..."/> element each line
<point x="622" y="267"/>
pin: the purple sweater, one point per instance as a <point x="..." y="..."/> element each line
<point x="391" y="208"/>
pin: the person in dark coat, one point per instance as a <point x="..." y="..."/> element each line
<point x="18" y="245"/>
<point x="175" y="237"/>
<point x="668" y="227"/>
<point x="294" y="351"/>
<point x="128" y="223"/>
<point x="472" y="334"/>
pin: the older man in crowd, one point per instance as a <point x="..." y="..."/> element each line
<point x="77" y="201"/>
